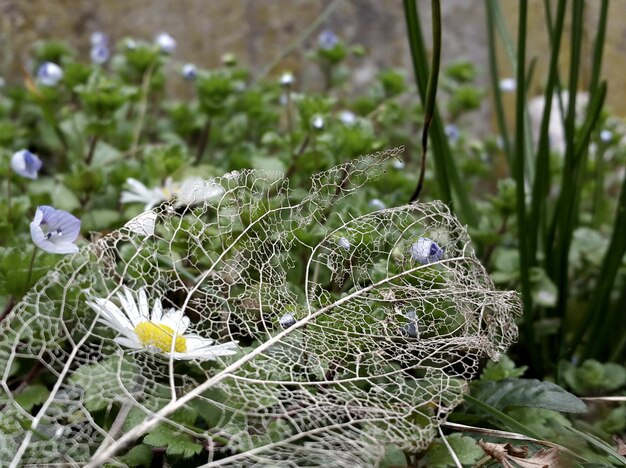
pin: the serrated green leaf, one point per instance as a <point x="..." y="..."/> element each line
<point x="32" y="396"/>
<point x="503" y="369"/>
<point x="527" y="392"/>
<point x="174" y="442"/>
<point x="141" y="455"/>
<point x="465" y="448"/>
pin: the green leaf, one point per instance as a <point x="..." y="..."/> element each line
<point x="464" y="447"/>
<point x="503" y="369"/>
<point x="141" y="455"/>
<point x="105" y="381"/>
<point x="599" y="444"/>
<point x="32" y="396"/>
<point x="393" y="457"/>
<point x="593" y="377"/>
<point x="527" y="392"/>
<point x="175" y="442"/>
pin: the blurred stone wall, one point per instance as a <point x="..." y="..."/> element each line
<point x="256" y="31"/>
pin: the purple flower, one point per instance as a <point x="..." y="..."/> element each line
<point x="98" y="38"/>
<point x="165" y="42"/>
<point x="426" y="251"/>
<point x="327" y="39"/>
<point x="190" y="72"/>
<point x="99" y="54"/>
<point x="55" y="231"/>
<point x="26" y="164"/>
<point x="452" y="132"/>
<point x="49" y="74"/>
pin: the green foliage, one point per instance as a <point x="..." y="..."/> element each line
<point x="511" y="392"/>
<point x="140" y="455"/>
<point x="503" y="369"/>
<point x="31" y="396"/>
<point x="466" y="449"/>
<point x="593" y="377"/>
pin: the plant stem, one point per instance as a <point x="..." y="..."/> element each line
<point x="203" y="141"/>
<point x="431" y="92"/>
<point x="495" y="83"/>
<point x="92" y="149"/>
<point x="296" y="156"/>
<point x="520" y="185"/>
<point x="299" y="40"/>
<point x="448" y="178"/>
<point x="30" y="268"/>
<point x="9" y="201"/>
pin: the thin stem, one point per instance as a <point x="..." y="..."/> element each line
<point x="296" y="156"/>
<point x="495" y="83"/>
<point x="9" y="201"/>
<point x="30" y="268"/>
<point x="143" y="106"/>
<point x="520" y="183"/>
<point x="599" y="46"/>
<point x="431" y="92"/>
<point x="203" y="141"/>
<point x="299" y="40"/>
<point x="92" y="149"/>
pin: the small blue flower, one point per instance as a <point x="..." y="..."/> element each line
<point x="99" y="54"/>
<point x="508" y="85"/>
<point x="347" y="117"/>
<point x="377" y="204"/>
<point x="286" y="79"/>
<point x="343" y="243"/>
<point x="55" y="231"/>
<point x="98" y="38"/>
<point x="452" y="132"/>
<point x="327" y="39"/>
<point x="426" y="251"/>
<point x="317" y="122"/>
<point x="130" y="44"/>
<point x="166" y="43"/>
<point x="287" y="320"/>
<point x="606" y="136"/>
<point x="190" y="71"/>
<point x="49" y="74"/>
<point x="26" y="164"/>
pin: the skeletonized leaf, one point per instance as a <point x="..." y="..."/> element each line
<point x="343" y="348"/>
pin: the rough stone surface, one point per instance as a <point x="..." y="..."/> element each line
<point x="257" y="31"/>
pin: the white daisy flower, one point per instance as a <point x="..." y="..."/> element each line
<point x="189" y="191"/>
<point x="140" y="328"/>
<point x="139" y="193"/>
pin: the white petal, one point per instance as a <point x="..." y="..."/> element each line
<point x="144" y="308"/>
<point x="128" y="304"/>
<point x="157" y="312"/>
<point x="210" y="352"/>
<point x="128" y="342"/>
<point x="196" y="342"/>
<point x="111" y="315"/>
<point x="176" y="320"/>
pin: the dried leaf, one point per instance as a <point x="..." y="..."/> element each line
<point x="379" y="354"/>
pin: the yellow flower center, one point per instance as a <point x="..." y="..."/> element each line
<point x="160" y="336"/>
